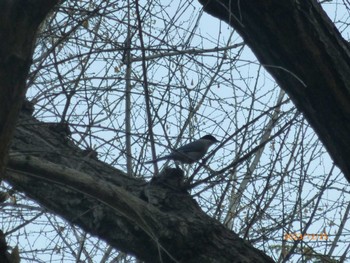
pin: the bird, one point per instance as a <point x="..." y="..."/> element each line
<point x="191" y="152"/>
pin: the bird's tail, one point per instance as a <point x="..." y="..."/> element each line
<point x="157" y="160"/>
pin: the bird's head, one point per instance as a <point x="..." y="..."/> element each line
<point x="210" y="138"/>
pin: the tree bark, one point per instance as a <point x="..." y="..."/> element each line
<point x="156" y="221"/>
<point x="304" y="52"/>
<point x="19" y="21"/>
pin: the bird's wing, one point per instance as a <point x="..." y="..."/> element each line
<point x="191" y="147"/>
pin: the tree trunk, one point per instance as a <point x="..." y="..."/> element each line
<point x="301" y="48"/>
<point x="19" y="21"/>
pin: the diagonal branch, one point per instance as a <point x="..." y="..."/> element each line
<point x="126" y="212"/>
<point x="301" y="48"/>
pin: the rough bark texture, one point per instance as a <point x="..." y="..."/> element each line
<point x="19" y="20"/>
<point x="156" y="221"/>
<point x="301" y="48"/>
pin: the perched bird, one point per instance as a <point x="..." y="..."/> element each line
<point x="191" y="152"/>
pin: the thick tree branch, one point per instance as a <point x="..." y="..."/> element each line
<point x="299" y="45"/>
<point x="156" y="221"/>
